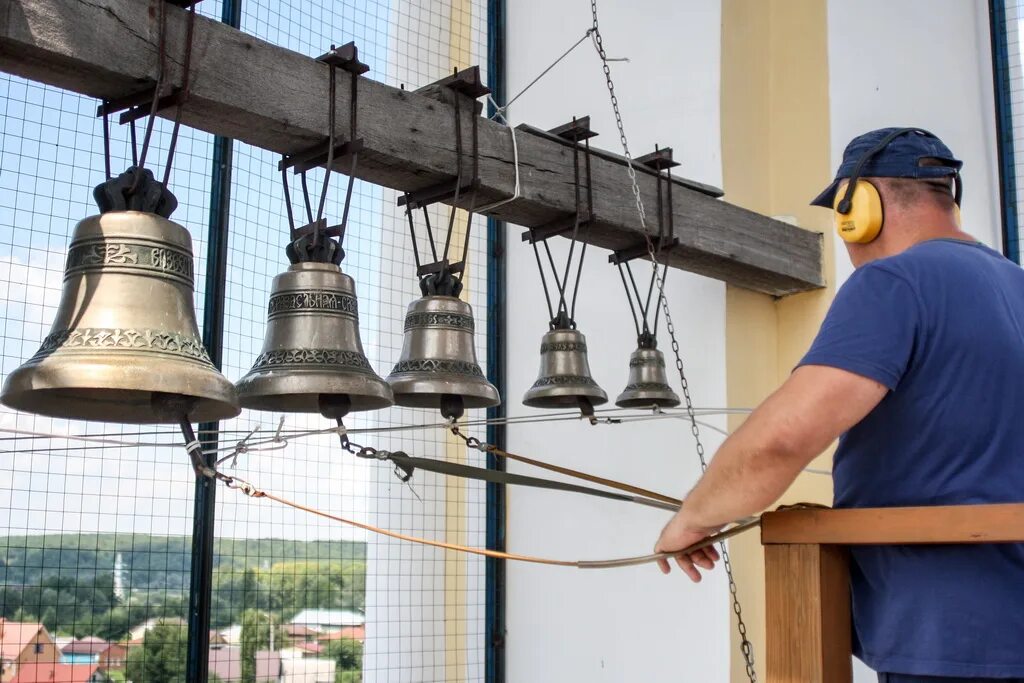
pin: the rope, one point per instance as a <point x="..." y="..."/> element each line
<point x="253" y="492"/>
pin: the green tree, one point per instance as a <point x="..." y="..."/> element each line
<point x="348" y="653"/>
<point x="161" y="659"/>
<point x="255" y="636"/>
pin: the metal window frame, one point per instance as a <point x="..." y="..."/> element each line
<point x="1004" y="130"/>
<point x="494" y="579"/>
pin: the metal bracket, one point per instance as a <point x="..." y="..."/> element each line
<point x="576" y="131"/>
<point x="440" y="272"/>
<point x="660" y="161"/>
<point x="345" y="58"/>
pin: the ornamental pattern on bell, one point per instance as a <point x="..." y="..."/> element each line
<point x="321" y="301"/>
<point x="455" y="320"/>
<point x="646" y="386"/>
<point x="637" y="362"/>
<point x="563" y="346"/>
<point x="88" y="338"/>
<point x="97" y="254"/>
<point x="565" y="379"/>
<point x="333" y="357"/>
<point x="458" y="367"/>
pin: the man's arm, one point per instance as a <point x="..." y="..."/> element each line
<point x="756" y="465"/>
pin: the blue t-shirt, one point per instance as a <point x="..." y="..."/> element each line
<point x="942" y="326"/>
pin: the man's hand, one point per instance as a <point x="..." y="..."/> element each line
<point x="679" y="533"/>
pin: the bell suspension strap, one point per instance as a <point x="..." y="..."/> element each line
<point x="315" y="241"/>
<point x="562" y="311"/>
<point x="137" y="189"/>
<point x="441" y="276"/>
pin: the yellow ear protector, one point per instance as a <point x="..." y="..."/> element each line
<point x="859" y="214"/>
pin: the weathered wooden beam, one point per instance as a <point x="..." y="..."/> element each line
<point x="250" y="90"/>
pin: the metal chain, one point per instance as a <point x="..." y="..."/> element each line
<point x="745" y="645"/>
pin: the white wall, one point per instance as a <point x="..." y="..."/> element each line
<point x="627" y="624"/>
<point x="924" y="63"/>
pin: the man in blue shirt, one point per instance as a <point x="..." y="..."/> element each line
<point x="918" y="369"/>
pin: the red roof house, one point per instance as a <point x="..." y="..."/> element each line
<point x="22" y="644"/>
<point x="48" y="672"/>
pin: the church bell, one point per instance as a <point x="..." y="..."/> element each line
<point x="312" y="359"/>
<point x="125" y="337"/>
<point x="648" y="382"/>
<point x="438" y="367"/>
<point x="564" y="380"/>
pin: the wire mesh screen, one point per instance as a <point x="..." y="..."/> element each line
<point x="95" y="544"/>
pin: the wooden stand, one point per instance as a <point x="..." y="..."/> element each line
<point x="807" y="577"/>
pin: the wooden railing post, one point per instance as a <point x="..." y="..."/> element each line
<point x="807" y="573"/>
<point x="808" y="614"/>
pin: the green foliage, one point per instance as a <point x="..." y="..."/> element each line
<point x="161" y="659"/>
<point x="255" y="637"/>
<point x="67" y="582"/>
<point x="348" y="653"/>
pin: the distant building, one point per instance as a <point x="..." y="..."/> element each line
<point x="297" y="632"/>
<point x="22" y="645"/>
<point x="51" y="672"/>
<point x="93" y="650"/>
<point x="328" y="619"/>
<point x="217" y="638"/>
<point x="303" y="670"/>
<point x="139" y="632"/>
<point x="226" y="663"/>
<point x="351" y="632"/>
<point x="232" y="634"/>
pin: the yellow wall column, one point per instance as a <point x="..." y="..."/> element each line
<point x="776" y="156"/>
<point x="456" y="489"/>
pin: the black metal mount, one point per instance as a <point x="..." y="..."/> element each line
<point x="576" y="131"/>
<point x="315" y="241"/>
<point x="137" y="189"/>
<point x="660" y="161"/>
<point x="443" y="276"/>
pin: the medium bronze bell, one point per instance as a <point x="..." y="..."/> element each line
<point x="564" y="380"/>
<point x="312" y="359"/>
<point x="125" y="338"/>
<point x="648" y="383"/>
<point x="438" y="368"/>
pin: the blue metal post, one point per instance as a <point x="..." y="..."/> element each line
<point x="496" y="286"/>
<point x="201" y="578"/>
<point x="1004" y="129"/>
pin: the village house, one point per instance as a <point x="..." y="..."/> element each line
<point x="22" y="644"/>
<point x="52" y="672"/>
<point x="92" y="650"/>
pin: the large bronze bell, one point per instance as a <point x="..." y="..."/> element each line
<point x="564" y="380"/>
<point x="312" y="359"/>
<point x="438" y="367"/>
<point x="648" y="383"/>
<point x="125" y="337"/>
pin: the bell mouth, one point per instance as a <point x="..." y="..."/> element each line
<point x="84" y="388"/>
<point x="127" y="406"/>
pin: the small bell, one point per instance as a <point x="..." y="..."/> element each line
<point x="564" y="380"/>
<point x="312" y="359"/>
<point x="438" y="367"/>
<point x="648" y="382"/>
<point x="125" y="345"/>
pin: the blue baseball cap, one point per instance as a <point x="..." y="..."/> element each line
<point x="903" y="157"/>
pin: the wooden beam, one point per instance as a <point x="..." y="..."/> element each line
<point x="250" y="90"/>
<point x="1000" y="523"/>
<point x="807" y="614"/>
